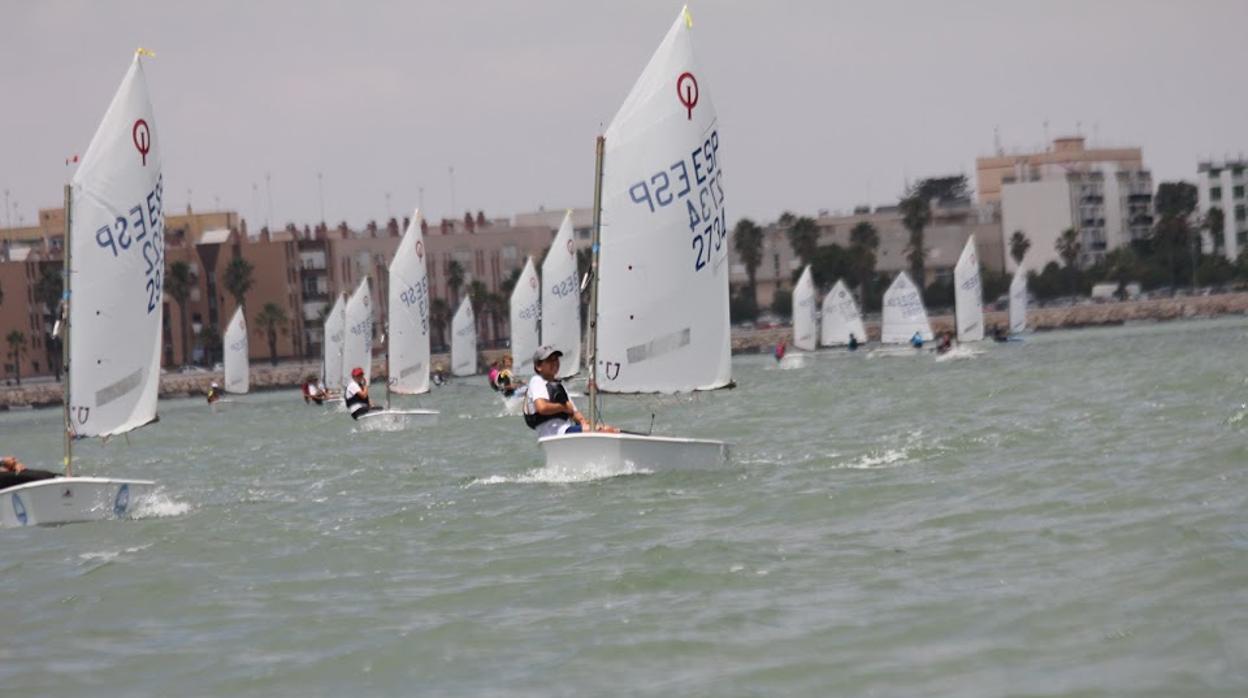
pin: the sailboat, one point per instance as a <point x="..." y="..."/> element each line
<point x="333" y="332"/>
<point x="968" y="295"/>
<point x="407" y="335"/>
<point x="805" y="321"/>
<point x="659" y="275"/>
<point x="561" y="301"/>
<point x="904" y="313"/>
<point x="526" y="321"/>
<point x="357" y="345"/>
<point x="237" y="367"/>
<point x="113" y="313"/>
<point x="1018" y="302"/>
<point x="841" y="318"/>
<point x="464" y="340"/>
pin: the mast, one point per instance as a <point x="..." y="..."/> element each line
<point x="69" y="438"/>
<point x="389" y="339"/>
<point x="591" y="346"/>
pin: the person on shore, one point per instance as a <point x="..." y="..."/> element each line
<point x="917" y="340"/>
<point x="13" y="473"/>
<point x="214" y="392"/>
<point x="780" y="348"/>
<point x="547" y="407"/>
<point x="853" y="342"/>
<point x="356" y="394"/>
<point x="313" y="391"/>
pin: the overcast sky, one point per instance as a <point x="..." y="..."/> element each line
<point x="821" y="104"/>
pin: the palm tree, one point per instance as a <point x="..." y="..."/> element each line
<point x="1068" y="248"/>
<point x="476" y="295"/>
<point x="439" y="316"/>
<point x="178" y="284"/>
<point x="271" y="320"/>
<point x="238" y="278"/>
<point x="454" y="279"/>
<point x="48" y="291"/>
<point x="17" y="350"/>
<point x="803" y="235"/>
<point x="1019" y="244"/>
<point x="916" y="213"/>
<point x="747" y="237"/>
<point x="497" y="307"/>
<point x="864" y="240"/>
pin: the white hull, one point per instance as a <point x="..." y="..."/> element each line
<point x="894" y="351"/>
<point x="631" y="453"/>
<point x="397" y="420"/>
<point x="70" y="500"/>
<point x="793" y="361"/>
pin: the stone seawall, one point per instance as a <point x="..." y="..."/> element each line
<point x="290" y="375"/>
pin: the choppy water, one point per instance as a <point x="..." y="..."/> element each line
<point x="1062" y="517"/>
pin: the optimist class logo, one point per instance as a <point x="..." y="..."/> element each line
<point x="142" y="136"/>
<point x="420" y="249"/>
<point x="687" y="92"/>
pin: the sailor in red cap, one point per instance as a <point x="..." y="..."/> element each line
<point x="356" y="394"/>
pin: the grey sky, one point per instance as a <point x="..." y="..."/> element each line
<point x="821" y="104"/>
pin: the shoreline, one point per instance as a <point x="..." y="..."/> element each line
<point x="289" y="375"/>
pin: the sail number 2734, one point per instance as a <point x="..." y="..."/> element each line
<point x="697" y="183"/>
<point x="141" y="231"/>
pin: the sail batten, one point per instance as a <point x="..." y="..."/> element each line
<point x="116" y="271"/>
<point x="237" y="361"/>
<point x="464" y="340"/>
<point x="840" y="318"/>
<point x="357" y="348"/>
<point x="904" y="313"/>
<point x="968" y="295"/>
<point x="805" y="312"/>
<point x="663" y="269"/>
<point x="526" y="314"/>
<point x="407" y="344"/>
<point x="561" y="300"/>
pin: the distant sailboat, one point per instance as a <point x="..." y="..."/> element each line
<point x="237" y="359"/>
<point x="805" y="312"/>
<point x="659" y="292"/>
<point x="968" y="295"/>
<point x="526" y="315"/>
<point x="407" y="335"/>
<point x="561" y="301"/>
<point x="334" y="331"/>
<point x="357" y="347"/>
<point x="464" y="340"/>
<point x="1018" y="302"/>
<point x="841" y="318"/>
<point x="113" y="315"/>
<point x="904" y="314"/>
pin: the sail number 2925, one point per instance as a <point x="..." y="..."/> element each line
<point x="697" y="183"/>
<point x="141" y="231"/>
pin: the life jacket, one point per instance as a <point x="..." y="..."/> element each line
<point x="357" y="404"/>
<point x="557" y="394"/>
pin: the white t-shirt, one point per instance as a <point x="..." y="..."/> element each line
<point x="551" y="427"/>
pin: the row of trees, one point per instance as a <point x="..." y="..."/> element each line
<point x="1170" y="255"/>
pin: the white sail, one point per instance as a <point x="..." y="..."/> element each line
<point x="357" y="347"/>
<point x="968" y="295"/>
<point x="334" y="333"/>
<point x="663" y="278"/>
<point x="805" y="312"/>
<point x="526" y="315"/>
<point x="117" y="248"/>
<point x="237" y="358"/>
<point x="464" y="340"/>
<point x="841" y="318"/>
<point x="1018" y="301"/>
<point x="561" y="301"/>
<point x="904" y="313"/>
<point x="408" y="323"/>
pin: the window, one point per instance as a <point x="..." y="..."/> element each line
<point x="1237" y="170"/>
<point x="1214" y="173"/>
<point x="1241" y="213"/>
<point x="1215" y="194"/>
<point x="1238" y="191"/>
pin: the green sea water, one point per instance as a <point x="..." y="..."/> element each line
<point x="1066" y="516"/>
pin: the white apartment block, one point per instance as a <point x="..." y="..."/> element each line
<point x="1221" y="185"/>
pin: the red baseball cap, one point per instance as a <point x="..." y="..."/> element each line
<point x="357" y="371"/>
